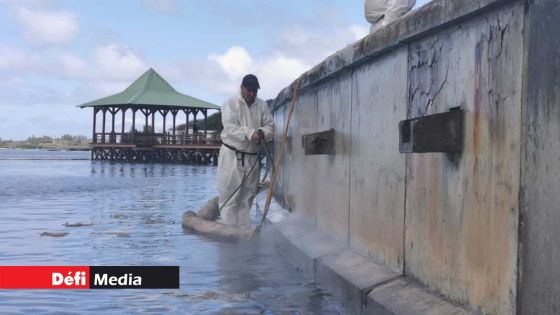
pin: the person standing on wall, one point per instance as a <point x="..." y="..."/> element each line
<point x="383" y="12"/>
<point x="247" y="121"/>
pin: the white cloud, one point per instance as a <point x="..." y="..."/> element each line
<point x="118" y="62"/>
<point x="222" y="73"/>
<point x="358" y="31"/>
<point x="162" y="6"/>
<point x="312" y="46"/>
<point x="277" y="72"/>
<point x="73" y="66"/>
<point x="18" y="61"/>
<point x="110" y="62"/>
<point x="235" y="62"/>
<point x="26" y="3"/>
<point x="296" y="50"/>
<point x="48" y="27"/>
<point x="11" y="82"/>
<point x="54" y="74"/>
<point x="107" y="69"/>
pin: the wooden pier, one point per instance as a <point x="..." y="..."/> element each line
<point x="151" y="96"/>
<point x="148" y="148"/>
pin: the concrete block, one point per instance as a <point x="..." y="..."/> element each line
<point x="349" y="277"/>
<point x="403" y="297"/>
<point x="302" y="246"/>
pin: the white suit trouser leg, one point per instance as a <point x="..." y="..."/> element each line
<point x="230" y="175"/>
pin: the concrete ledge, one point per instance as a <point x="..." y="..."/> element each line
<point x="360" y="285"/>
<point x="303" y="246"/>
<point x="350" y="277"/>
<point x="404" y="297"/>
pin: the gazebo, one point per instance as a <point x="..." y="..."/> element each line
<point x="153" y="97"/>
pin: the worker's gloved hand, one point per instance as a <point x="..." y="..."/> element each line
<point x="261" y="134"/>
<point x="258" y="136"/>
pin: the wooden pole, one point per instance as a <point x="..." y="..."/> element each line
<point x="205" y="111"/>
<point x="94" y="138"/>
<point x="278" y="159"/>
<point x="112" y="111"/>
<point x="122" y="125"/>
<point x="153" y="121"/>
<point x="134" y="120"/>
<point x="164" y="114"/>
<point x="195" y="135"/>
<point x="104" y="110"/>
<point x="133" y="131"/>
<point x="174" y="113"/>
<point x="146" y="113"/>
<point x="187" y="123"/>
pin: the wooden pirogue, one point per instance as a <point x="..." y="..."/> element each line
<point x="203" y="222"/>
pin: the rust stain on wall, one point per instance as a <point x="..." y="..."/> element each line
<point x="478" y="91"/>
<point x="461" y="218"/>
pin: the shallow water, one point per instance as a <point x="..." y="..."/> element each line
<point x="132" y="216"/>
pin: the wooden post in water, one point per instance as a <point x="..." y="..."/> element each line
<point x="153" y="121"/>
<point x="205" y="111"/>
<point x="133" y="121"/>
<point x="122" y="125"/>
<point x="94" y="137"/>
<point x="104" y="110"/>
<point x="187" y="123"/>
<point x="146" y="113"/>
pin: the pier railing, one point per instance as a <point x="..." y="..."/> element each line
<point x="147" y="140"/>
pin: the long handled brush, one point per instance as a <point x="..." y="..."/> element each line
<point x="276" y="169"/>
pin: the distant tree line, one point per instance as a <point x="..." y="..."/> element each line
<point x="47" y="142"/>
<point x="214" y="123"/>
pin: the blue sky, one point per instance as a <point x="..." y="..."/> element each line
<point x="56" y="54"/>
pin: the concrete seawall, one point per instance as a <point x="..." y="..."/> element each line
<point x="474" y="231"/>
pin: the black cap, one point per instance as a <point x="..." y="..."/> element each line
<point x="250" y="81"/>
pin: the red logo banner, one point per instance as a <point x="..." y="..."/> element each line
<point x="44" y="277"/>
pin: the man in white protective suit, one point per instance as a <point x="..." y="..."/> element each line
<point x="382" y="12"/>
<point x="246" y="120"/>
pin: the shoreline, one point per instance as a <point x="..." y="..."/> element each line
<point x="46" y="149"/>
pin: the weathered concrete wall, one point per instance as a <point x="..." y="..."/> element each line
<point x="540" y="199"/>
<point x="462" y="210"/>
<point x="377" y="168"/>
<point x="300" y="185"/>
<point x="450" y="222"/>
<point x="333" y="100"/>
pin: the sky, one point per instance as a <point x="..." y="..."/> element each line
<point x="56" y="54"/>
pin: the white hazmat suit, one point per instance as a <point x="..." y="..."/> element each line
<point x="382" y="12"/>
<point x="240" y="122"/>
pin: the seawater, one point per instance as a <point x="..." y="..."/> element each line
<point x="135" y="215"/>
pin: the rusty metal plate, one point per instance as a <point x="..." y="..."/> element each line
<point x="318" y="143"/>
<point x="433" y="133"/>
